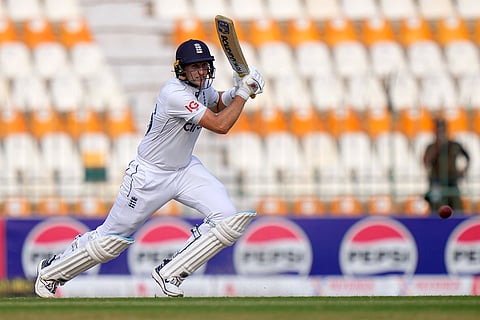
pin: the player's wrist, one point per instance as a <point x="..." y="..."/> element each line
<point x="228" y="95"/>
<point x="243" y="92"/>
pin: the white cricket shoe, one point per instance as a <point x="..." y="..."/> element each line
<point x="169" y="286"/>
<point x="45" y="288"/>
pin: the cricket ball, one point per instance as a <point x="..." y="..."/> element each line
<point x="445" y="211"/>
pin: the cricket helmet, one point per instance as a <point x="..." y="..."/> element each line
<point x="191" y="51"/>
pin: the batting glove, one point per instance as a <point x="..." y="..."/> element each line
<point x="251" y="85"/>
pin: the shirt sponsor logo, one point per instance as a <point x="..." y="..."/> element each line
<point x="192" y="106"/>
<point x="462" y="252"/>
<point x="377" y="246"/>
<point x="273" y="246"/>
<point x="52" y="236"/>
<point x="191" y="127"/>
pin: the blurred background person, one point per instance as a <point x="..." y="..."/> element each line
<point x="442" y="161"/>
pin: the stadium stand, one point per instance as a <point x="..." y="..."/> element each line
<point x="355" y="83"/>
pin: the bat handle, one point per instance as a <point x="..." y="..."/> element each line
<point x="253" y="96"/>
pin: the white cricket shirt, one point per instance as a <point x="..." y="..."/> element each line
<point x="173" y="130"/>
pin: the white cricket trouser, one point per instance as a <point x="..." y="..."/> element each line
<point x="144" y="190"/>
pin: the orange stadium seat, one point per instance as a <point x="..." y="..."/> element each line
<point x="13" y="121"/>
<point x="476" y="121"/>
<point x="307" y="206"/>
<point x="338" y="30"/>
<point x="476" y="31"/>
<point x="378" y="121"/>
<point x="457" y="120"/>
<point x="414" y="29"/>
<point x="272" y="205"/>
<point x="376" y="29"/>
<point x="305" y="120"/>
<point x="452" y="29"/>
<point x="186" y="29"/>
<point x="341" y="120"/>
<point x="302" y="30"/>
<point x="52" y="206"/>
<point x="119" y="121"/>
<point x="16" y="207"/>
<point x="90" y="206"/>
<point x="81" y="121"/>
<point x="8" y="30"/>
<point x="413" y="121"/>
<point x="416" y="206"/>
<point x="45" y="121"/>
<point x="38" y="31"/>
<point x="468" y="206"/>
<point x="269" y="120"/>
<point x="74" y="31"/>
<point x="346" y="206"/>
<point x="263" y="31"/>
<point x="243" y="124"/>
<point x="380" y="205"/>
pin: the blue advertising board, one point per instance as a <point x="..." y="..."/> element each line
<point x="272" y="245"/>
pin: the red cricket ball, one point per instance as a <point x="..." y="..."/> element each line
<point x="445" y="211"/>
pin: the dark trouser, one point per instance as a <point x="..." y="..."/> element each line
<point x="439" y="195"/>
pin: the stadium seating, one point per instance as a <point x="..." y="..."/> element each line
<point x="308" y="206"/>
<point x="52" y="206"/>
<point x="352" y="89"/>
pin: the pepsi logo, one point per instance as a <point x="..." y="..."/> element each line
<point x="462" y="252"/>
<point x="155" y="241"/>
<point x="273" y="246"/>
<point x="377" y="246"/>
<point x="52" y="236"/>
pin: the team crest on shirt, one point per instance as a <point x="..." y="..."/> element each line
<point x="133" y="202"/>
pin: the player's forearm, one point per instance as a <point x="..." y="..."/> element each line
<point x="224" y="120"/>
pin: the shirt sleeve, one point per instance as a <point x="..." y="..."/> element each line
<point x="181" y="104"/>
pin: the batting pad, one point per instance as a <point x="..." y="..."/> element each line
<point x="224" y="234"/>
<point x="98" y="250"/>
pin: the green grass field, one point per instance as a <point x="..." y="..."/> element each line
<point x="298" y="308"/>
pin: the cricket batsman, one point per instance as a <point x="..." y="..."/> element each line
<point x="164" y="169"/>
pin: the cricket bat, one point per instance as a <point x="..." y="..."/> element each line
<point x="230" y="45"/>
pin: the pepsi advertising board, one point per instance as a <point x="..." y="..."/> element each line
<point x="369" y="246"/>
